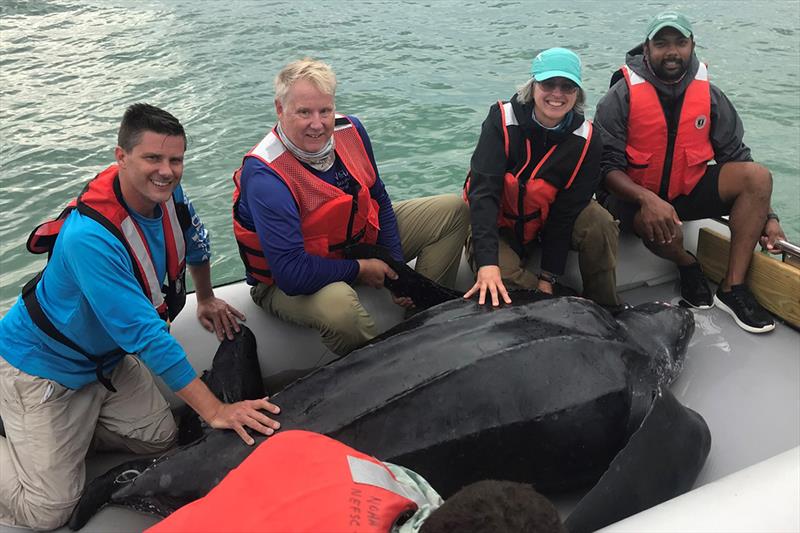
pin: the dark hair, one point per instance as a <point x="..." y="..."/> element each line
<point x="139" y="118"/>
<point x="495" y="507"/>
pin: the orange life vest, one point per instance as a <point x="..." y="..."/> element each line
<point x="330" y="219"/>
<point x="298" y="481"/>
<point x="101" y="200"/>
<point x="527" y="196"/>
<point x="648" y="136"/>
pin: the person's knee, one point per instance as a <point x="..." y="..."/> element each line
<point x="458" y="209"/>
<point x="47" y="519"/>
<point x="745" y="178"/>
<point x="341" y="314"/>
<point x="461" y="207"/>
<point x="259" y="293"/>
<point x="42" y="515"/>
<point x="596" y="239"/>
<point x="600" y="228"/>
<point x="638" y="225"/>
<point x="759" y="180"/>
<point x="334" y="300"/>
<point x="164" y="438"/>
<point x="669" y="250"/>
<point x="154" y="433"/>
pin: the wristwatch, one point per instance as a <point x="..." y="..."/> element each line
<point x="548" y="277"/>
<point x="773" y="216"/>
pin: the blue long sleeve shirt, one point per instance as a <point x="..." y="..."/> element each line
<point x="267" y="206"/>
<point x="91" y="295"/>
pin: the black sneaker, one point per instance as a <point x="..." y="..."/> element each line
<point x="745" y="309"/>
<point x="694" y="287"/>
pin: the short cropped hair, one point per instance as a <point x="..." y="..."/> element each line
<point x="317" y="72"/>
<point x="495" y="507"/>
<point x="525" y="96"/>
<point x="139" y="118"/>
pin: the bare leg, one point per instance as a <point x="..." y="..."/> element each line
<point x="694" y="287"/>
<point x="672" y="251"/>
<point x="748" y="186"/>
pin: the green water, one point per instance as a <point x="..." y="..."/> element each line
<point x="420" y="75"/>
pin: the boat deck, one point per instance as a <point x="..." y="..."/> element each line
<point x="744" y="385"/>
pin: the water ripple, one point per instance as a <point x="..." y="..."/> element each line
<point x="421" y="75"/>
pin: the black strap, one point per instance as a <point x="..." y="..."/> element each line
<point x="355" y="239"/>
<point x="519" y="225"/>
<point x="354" y="187"/>
<point x="184" y="217"/>
<point x="527" y="218"/>
<point x="244" y="251"/>
<point x="40" y="319"/>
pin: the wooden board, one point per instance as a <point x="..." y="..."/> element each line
<point x="774" y="283"/>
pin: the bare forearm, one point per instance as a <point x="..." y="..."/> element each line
<point x="201" y="276"/>
<point x="198" y="396"/>
<point x="236" y="416"/>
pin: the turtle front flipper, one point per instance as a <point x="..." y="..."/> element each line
<point x="661" y="461"/>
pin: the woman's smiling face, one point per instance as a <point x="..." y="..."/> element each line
<point x="553" y="98"/>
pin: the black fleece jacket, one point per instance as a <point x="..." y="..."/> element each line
<point x="611" y="116"/>
<point x="489" y="164"/>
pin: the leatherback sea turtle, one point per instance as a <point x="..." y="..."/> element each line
<point x="552" y="391"/>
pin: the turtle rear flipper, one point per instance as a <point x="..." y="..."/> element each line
<point x="98" y="492"/>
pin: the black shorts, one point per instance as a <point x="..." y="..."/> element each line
<point x="702" y="202"/>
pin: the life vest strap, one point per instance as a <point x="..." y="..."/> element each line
<point x="355" y="239"/>
<point x="526" y="218"/>
<point x="39" y="318"/>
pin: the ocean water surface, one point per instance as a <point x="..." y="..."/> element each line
<point x="420" y="74"/>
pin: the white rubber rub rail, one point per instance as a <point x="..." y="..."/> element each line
<point x="762" y="497"/>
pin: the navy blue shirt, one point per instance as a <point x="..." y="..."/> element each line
<point x="267" y="206"/>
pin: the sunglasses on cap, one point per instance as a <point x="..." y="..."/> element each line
<point x="551" y="85"/>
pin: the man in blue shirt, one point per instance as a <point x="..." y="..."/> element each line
<point x="66" y="377"/>
<point x="310" y="188"/>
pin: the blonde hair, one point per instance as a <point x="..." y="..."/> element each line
<point x="317" y="72"/>
<point x="525" y="96"/>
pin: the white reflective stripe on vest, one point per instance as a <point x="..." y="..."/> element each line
<point x="369" y="473"/>
<point x="269" y="149"/>
<point x="511" y="118"/>
<point x="177" y="231"/>
<point x="635" y="78"/>
<point x="140" y="251"/>
<point x="702" y="72"/>
<point x="583" y="130"/>
<point x="338" y="127"/>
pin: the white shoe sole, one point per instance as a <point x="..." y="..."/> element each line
<point x="690" y="304"/>
<point x="746" y="327"/>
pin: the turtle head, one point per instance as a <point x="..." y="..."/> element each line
<point x="663" y="332"/>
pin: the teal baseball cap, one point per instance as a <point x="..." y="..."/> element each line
<point x="557" y="62"/>
<point x="669" y="19"/>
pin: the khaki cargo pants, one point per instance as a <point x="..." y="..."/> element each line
<point x="595" y="237"/>
<point x="49" y="429"/>
<point x="432" y="229"/>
